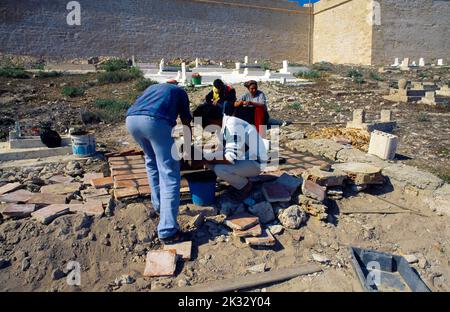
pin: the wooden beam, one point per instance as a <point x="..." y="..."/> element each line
<point x="253" y="280"/>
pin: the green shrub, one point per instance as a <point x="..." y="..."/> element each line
<point x="13" y="72"/>
<point x="39" y="66"/>
<point x="295" y="105"/>
<point x="111" y="110"/>
<point x="51" y="74"/>
<point x="353" y="73"/>
<point x="323" y="66"/>
<point x="143" y="84"/>
<point x="114" y="64"/>
<point x="265" y="66"/>
<point x="72" y="91"/>
<point x="310" y="75"/>
<point x="423" y="117"/>
<point x="375" y="76"/>
<point x="120" y="76"/>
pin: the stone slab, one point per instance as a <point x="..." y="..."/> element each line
<point x="241" y="221"/>
<point x="160" y="263"/>
<point x="263" y="211"/>
<point x="46" y="199"/>
<point x="61" y="179"/>
<point x="90" y="208"/>
<point x="19" y="196"/>
<point x="125" y="193"/>
<point x="88" y="177"/>
<point x="7" y="188"/>
<point x="18" y="210"/>
<point x="325" y="178"/>
<point x="266" y="239"/>
<point x="102" y="182"/>
<point x="30" y="153"/>
<point x="47" y="214"/>
<point x="314" y="190"/>
<point x="254" y="231"/>
<point x="274" y="192"/>
<point x="61" y="188"/>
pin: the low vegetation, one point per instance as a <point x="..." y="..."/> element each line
<point x="111" y="110"/>
<point x="356" y="75"/>
<point x="323" y="66"/>
<point x="72" y="91"/>
<point x="120" y="76"/>
<point x="114" y="64"/>
<point x="310" y="75"/>
<point x="295" y="105"/>
<point x="143" y="84"/>
<point x="13" y="72"/>
<point x="375" y="76"/>
<point x="50" y="74"/>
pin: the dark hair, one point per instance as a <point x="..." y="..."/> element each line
<point x="208" y="113"/>
<point x="249" y="83"/>
<point x="218" y="84"/>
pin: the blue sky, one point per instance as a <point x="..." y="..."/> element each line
<point x="302" y="2"/>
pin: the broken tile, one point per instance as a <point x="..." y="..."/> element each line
<point x="291" y="183"/>
<point x="333" y="177"/>
<point x="251" y="232"/>
<point x="266" y="239"/>
<point x="61" y="188"/>
<point x="18" y="210"/>
<point x="46" y="199"/>
<point x="7" y="188"/>
<point x="160" y="263"/>
<point x="19" y="196"/>
<point x="124" y="184"/>
<point x="125" y="193"/>
<point x="313" y="190"/>
<point x="182" y="249"/>
<point x="102" y="182"/>
<point x="241" y="221"/>
<point x="259" y="268"/>
<point x="47" y="214"/>
<point x="263" y="211"/>
<point x="90" y="208"/>
<point x="94" y="193"/>
<point x="61" y="179"/>
<point x="88" y="177"/>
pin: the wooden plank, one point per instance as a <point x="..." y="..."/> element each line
<point x="253" y="280"/>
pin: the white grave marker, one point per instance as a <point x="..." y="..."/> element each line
<point x="421" y="62"/>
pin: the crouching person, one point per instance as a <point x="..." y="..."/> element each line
<point x="244" y="152"/>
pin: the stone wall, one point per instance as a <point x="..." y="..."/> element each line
<point x="414" y="29"/>
<point x="152" y="29"/>
<point x="342" y="33"/>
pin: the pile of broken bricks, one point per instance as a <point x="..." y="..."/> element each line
<point x="62" y="195"/>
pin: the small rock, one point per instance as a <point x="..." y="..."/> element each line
<point x="92" y="236"/>
<point x="26" y="262"/>
<point x="124" y="280"/>
<point x="263" y="211"/>
<point x="320" y="258"/>
<point x="183" y="282"/>
<point x="292" y="217"/>
<point x="259" y="268"/>
<point x="411" y="258"/>
<point x="276" y="229"/>
<point x="4" y="263"/>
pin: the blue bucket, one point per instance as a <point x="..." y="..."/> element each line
<point x="203" y="191"/>
<point x="83" y="145"/>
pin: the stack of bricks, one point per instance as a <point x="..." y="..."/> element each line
<point x="129" y="176"/>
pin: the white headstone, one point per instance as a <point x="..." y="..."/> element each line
<point x="396" y="62"/>
<point x="221" y="64"/>
<point x="440" y="62"/>
<point x="267" y="74"/>
<point x="256" y="62"/>
<point x="421" y="62"/>
<point x="196" y="63"/>
<point x="405" y="63"/>
<point x="178" y="78"/>
<point x="246" y="60"/>
<point x="133" y="60"/>
<point x="413" y="63"/>
<point x="283" y="80"/>
<point x="238" y="66"/>
<point x="285" y="67"/>
<point x="183" y="72"/>
<point x="245" y="71"/>
<point x="161" y="65"/>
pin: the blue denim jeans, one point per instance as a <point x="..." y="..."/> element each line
<point x="154" y="135"/>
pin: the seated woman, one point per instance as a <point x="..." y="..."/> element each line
<point x="252" y="107"/>
<point x="223" y="96"/>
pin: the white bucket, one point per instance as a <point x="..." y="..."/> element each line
<point x="83" y="145"/>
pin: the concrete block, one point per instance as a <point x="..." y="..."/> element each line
<point x="359" y="116"/>
<point x="263" y="211"/>
<point x="386" y="115"/>
<point x="31" y="153"/>
<point x="160" y="263"/>
<point x="34" y="142"/>
<point x="383" y="145"/>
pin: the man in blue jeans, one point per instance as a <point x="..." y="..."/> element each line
<point x="150" y="121"/>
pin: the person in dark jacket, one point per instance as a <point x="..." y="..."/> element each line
<point x="223" y="96"/>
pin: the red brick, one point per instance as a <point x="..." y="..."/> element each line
<point x="142" y="182"/>
<point x="61" y="179"/>
<point x="128" y="171"/>
<point x="125" y="193"/>
<point x="10" y="187"/>
<point x="127" y="167"/>
<point x="297" y="171"/>
<point x="61" y="188"/>
<point x="130" y="177"/>
<point x="293" y="161"/>
<point x="103" y="182"/>
<point x="48" y="214"/>
<point x="160" y="263"/>
<point x="88" y="177"/>
<point x="251" y="232"/>
<point x="93" y="193"/>
<point x="46" y="199"/>
<point x="17" y="210"/>
<point x="241" y="221"/>
<point x="266" y="239"/>
<point x="275" y="192"/>
<point x="144" y="190"/>
<point x="19" y="196"/>
<point x="124" y="184"/>
<point x="183" y="249"/>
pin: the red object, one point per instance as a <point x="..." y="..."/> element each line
<point x="259" y="120"/>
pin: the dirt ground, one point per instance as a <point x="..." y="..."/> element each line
<point x="112" y="246"/>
